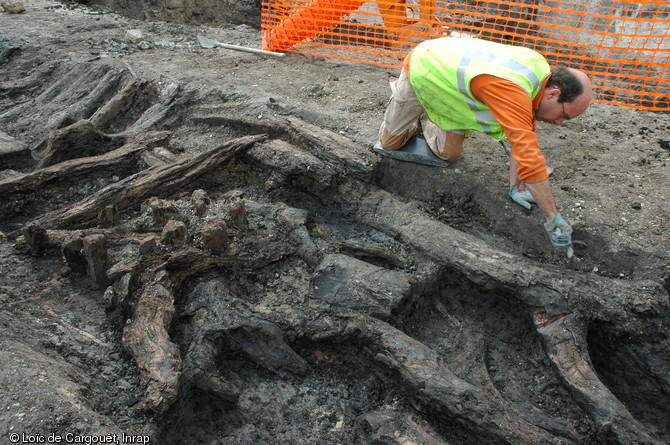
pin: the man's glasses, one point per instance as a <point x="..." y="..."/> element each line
<point x="565" y="115"/>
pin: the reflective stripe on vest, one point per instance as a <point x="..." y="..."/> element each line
<point x="441" y="71"/>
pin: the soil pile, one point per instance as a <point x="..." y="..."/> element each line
<point x="199" y="246"/>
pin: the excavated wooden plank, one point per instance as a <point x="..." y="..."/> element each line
<point x="157" y="181"/>
<point x="81" y="167"/>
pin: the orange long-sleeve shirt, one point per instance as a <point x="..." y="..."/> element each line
<point x="514" y="110"/>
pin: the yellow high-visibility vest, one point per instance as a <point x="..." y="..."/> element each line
<point x="440" y="72"/>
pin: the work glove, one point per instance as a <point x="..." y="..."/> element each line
<point x="521" y="196"/>
<point x="560" y="234"/>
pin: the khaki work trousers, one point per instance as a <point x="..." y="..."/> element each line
<point x="401" y="122"/>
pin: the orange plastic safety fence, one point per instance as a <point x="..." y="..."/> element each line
<point x="623" y="45"/>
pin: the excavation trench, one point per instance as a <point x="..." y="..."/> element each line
<point x="265" y="279"/>
<point x="117" y="106"/>
<point x="349" y="381"/>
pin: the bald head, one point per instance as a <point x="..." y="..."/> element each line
<point x="566" y="96"/>
<point x="571" y="88"/>
<point x="581" y="101"/>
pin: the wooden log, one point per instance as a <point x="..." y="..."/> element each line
<point x="325" y="148"/>
<point x="345" y="282"/>
<point x="434" y="389"/>
<point x="95" y="252"/>
<point x="200" y="201"/>
<point x="343" y="155"/>
<point x="136" y="93"/>
<point x="36" y="237"/>
<point x="221" y="324"/>
<point x="78" y="140"/>
<point x="75" y="94"/>
<point x="77" y="168"/>
<point x="30" y="84"/>
<point x="13" y="153"/>
<point x="390" y="427"/>
<point x="625" y="304"/>
<point x="565" y="340"/>
<point x="157" y="181"/>
<point x="290" y="161"/>
<point x="146" y="337"/>
<point x="158" y="156"/>
<point x="214" y="234"/>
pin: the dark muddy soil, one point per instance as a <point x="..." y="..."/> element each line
<point x="291" y="286"/>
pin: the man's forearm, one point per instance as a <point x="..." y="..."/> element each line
<point x="513" y="175"/>
<point x="541" y="191"/>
